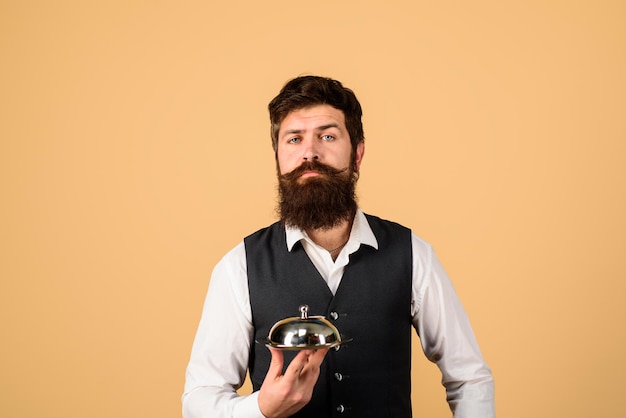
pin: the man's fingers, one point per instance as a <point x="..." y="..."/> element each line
<point x="314" y="360"/>
<point x="297" y="364"/>
<point x="317" y="357"/>
<point x="276" y="364"/>
<point x="305" y="362"/>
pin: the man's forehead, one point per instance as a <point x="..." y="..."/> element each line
<point x="313" y="117"/>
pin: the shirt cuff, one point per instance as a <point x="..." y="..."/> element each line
<point x="248" y="407"/>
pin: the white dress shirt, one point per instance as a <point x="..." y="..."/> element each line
<point x="219" y="357"/>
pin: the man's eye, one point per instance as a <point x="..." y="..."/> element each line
<point x="294" y="140"/>
<point x="328" y="137"/>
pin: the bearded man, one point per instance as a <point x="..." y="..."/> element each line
<point x="374" y="279"/>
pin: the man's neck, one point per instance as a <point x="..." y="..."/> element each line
<point x="332" y="239"/>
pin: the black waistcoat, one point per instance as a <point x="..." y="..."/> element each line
<point x="370" y="375"/>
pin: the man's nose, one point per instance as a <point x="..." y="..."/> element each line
<point x="310" y="151"/>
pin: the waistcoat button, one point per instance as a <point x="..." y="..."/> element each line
<point x="338" y="377"/>
<point x="341" y="409"/>
<point x="334" y="315"/>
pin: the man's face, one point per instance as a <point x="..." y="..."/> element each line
<point x="315" y="133"/>
<point x="316" y="169"/>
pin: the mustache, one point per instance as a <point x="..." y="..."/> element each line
<point x="312" y="166"/>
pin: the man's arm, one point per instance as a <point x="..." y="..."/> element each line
<point x="447" y="337"/>
<point x="219" y="357"/>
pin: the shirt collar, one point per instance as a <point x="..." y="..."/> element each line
<point x="361" y="233"/>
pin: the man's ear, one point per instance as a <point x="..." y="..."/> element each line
<point x="358" y="157"/>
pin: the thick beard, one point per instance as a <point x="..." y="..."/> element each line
<point x="320" y="202"/>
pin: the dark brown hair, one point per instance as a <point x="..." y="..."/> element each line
<point x="306" y="91"/>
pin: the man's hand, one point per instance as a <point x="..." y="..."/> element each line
<point x="282" y="395"/>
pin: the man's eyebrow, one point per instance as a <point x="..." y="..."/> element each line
<point x="327" y="126"/>
<point x="318" y="128"/>
<point x="292" y="131"/>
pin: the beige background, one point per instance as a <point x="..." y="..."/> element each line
<point x="135" y="152"/>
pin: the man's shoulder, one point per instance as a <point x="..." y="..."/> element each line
<point x="267" y="232"/>
<point x="374" y="221"/>
<point x="419" y="244"/>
